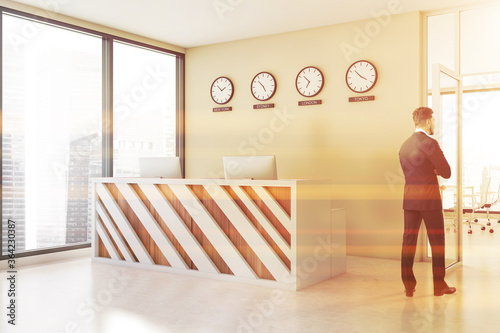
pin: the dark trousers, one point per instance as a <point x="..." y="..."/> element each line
<point x="434" y="223"/>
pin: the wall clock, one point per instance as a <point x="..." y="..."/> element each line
<point x="309" y="81"/>
<point x="222" y="90"/>
<point x="263" y="86"/>
<point x="361" y="76"/>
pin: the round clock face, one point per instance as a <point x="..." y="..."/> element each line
<point x="361" y="76"/>
<point x="222" y="90"/>
<point x="263" y="86"/>
<point x="309" y="81"/>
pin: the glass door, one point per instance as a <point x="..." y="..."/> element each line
<point x="447" y="106"/>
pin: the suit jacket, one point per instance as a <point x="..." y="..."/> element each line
<point x="419" y="156"/>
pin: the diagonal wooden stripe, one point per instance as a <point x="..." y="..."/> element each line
<point x="124" y="225"/>
<point x="115" y="235"/>
<point x="213" y="232"/>
<point x="262" y="219"/>
<point x="274" y="206"/>
<point x="248" y="231"/>
<point x="108" y="244"/>
<point x="180" y="231"/>
<point x="152" y="227"/>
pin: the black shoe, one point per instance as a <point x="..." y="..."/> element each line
<point x="445" y="290"/>
<point x="409" y="293"/>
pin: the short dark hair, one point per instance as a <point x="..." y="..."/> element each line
<point x="421" y="114"/>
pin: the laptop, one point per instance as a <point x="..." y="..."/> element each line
<point x="250" y="167"/>
<point x="160" y="167"/>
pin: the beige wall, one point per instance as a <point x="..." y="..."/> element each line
<point x="354" y="144"/>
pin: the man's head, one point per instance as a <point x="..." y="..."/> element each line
<point x="422" y="117"/>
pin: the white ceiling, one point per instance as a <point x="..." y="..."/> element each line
<point x="190" y="23"/>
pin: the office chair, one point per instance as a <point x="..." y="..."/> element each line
<point x="471" y="204"/>
<point x="468" y="205"/>
<point x="449" y="198"/>
<point x="489" y="203"/>
<point x="481" y="201"/>
<point x="448" y="209"/>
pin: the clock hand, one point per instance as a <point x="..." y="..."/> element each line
<point x="219" y="88"/>
<point x="360" y="75"/>
<point x="308" y="81"/>
<point x="262" y="86"/>
<point x="222" y="89"/>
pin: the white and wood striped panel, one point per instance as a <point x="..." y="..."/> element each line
<point x="248" y="231"/>
<point x="108" y="243"/>
<point x="123" y="225"/>
<point x="274" y="206"/>
<point x="263" y="220"/>
<point x="213" y="232"/>
<point x="179" y="229"/>
<point x="113" y="233"/>
<point x="152" y="227"/>
<point x="238" y="230"/>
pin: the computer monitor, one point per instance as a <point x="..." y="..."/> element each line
<point x="163" y="167"/>
<point x="250" y="167"/>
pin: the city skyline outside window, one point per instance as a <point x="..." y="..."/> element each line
<point x="52" y="132"/>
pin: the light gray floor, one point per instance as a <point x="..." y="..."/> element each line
<point x="80" y="296"/>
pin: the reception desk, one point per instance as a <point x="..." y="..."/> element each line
<point x="277" y="233"/>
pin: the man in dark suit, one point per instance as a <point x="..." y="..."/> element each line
<point x="422" y="160"/>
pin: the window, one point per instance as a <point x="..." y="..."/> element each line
<point x="53" y="138"/>
<point x="144" y="119"/>
<point x="51" y="127"/>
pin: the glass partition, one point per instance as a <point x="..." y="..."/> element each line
<point x="447" y="106"/>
